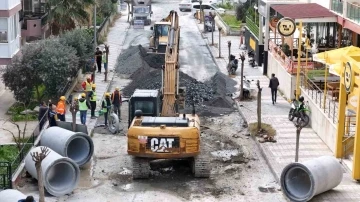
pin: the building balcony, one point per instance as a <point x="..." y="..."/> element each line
<point x="353" y="12"/>
<point x="33" y="24"/>
<point x="337" y="6"/>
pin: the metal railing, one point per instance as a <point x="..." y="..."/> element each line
<point x="253" y="27"/>
<point x="329" y="106"/>
<point x="353" y="11"/>
<point x="337" y="6"/>
<point x="348" y="141"/>
<point x="7" y="169"/>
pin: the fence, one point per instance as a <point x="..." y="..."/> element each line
<point x="326" y="103"/>
<point x="7" y="169"/>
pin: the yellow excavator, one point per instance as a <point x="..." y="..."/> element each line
<point x="156" y="129"/>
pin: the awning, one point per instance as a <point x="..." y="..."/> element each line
<point x="306" y="13"/>
<point x="334" y="56"/>
<point x="335" y="69"/>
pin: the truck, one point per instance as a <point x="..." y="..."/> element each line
<point x="140" y="10"/>
<point x="157" y="129"/>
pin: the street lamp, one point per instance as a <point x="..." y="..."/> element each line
<point x="229" y="46"/>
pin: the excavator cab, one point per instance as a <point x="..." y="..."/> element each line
<point x="148" y="101"/>
<point x="159" y="39"/>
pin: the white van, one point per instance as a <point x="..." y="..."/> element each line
<point x="208" y="8"/>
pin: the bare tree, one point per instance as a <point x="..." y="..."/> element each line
<point x="259" y="105"/>
<point x="242" y="58"/>
<point x="74" y="108"/>
<point x="298" y="130"/>
<point x="38" y="158"/>
<point x="19" y="138"/>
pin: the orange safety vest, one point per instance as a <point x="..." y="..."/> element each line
<point x="60" y="108"/>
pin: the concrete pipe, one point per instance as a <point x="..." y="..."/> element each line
<point x="302" y="181"/>
<point x="11" y="195"/>
<point x="114" y="123"/>
<point x="60" y="174"/>
<point x="76" y="145"/>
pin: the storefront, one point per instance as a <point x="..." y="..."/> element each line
<point x="252" y="43"/>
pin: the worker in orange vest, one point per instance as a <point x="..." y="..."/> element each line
<point x="87" y="85"/>
<point x="61" y="108"/>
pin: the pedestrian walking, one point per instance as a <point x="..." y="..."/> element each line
<point x="106" y="106"/>
<point x="98" y="57"/>
<point x="87" y="86"/>
<point x="83" y="107"/>
<point x="42" y="114"/>
<point x="61" y="108"/>
<point x="104" y="60"/>
<point x="52" y="116"/>
<point x="93" y="99"/>
<point x="273" y="85"/>
<point x="116" y="100"/>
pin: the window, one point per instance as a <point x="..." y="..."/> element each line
<point x="147" y="107"/>
<point x="3" y="30"/>
<point x="206" y="7"/>
<point x="196" y="6"/>
<point x="162" y="30"/>
<point x="141" y="10"/>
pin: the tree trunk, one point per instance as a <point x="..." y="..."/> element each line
<point x="73" y="113"/>
<point x="40" y="181"/>
<point x="242" y="81"/>
<point x="259" y="105"/>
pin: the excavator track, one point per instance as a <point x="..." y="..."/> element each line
<point x="201" y="166"/>
<point x="141" y="168"/>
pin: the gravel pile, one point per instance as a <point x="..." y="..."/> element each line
<point x="144" y="70"/>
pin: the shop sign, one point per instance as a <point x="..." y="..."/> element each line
<point x="348" y="80"/>
<point x="353" y="99"/>
<point x="286" y="27"/>
<point x="252" y="44"/>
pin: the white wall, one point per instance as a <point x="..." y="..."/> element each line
<point x="324" y="127"/>
<point x="287" y="81"/>
<point x="8" y="50"/>
<point x="8" y="4"/>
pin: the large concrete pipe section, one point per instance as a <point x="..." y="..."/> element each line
<point x="11" y="195"/>
<point x="60" y="174"/>
<point x="303" y="181"/>
<point x="76" y="145"/>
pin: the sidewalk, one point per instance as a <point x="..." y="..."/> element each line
<point x="280" y="154"/>
<point x="115" y="39"/>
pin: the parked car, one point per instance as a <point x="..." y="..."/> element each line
<point x="185" y="5"/>
<point x="208" y="8"/>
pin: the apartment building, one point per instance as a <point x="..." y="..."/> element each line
<point x="9" y="30"/>
<point x="348" y="12"/>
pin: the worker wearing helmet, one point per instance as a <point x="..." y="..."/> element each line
<point x="93" y="98"/>
<point x="83" y="107"/>
<point x="116" y="101"/>
<point x="61" y="108"/>
<point x="106" y="106"/>
<point x="87" y="87"/>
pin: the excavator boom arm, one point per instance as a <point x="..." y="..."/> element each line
<point x="170" y="84"/>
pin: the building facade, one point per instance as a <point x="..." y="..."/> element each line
<point x="9" y="30"/>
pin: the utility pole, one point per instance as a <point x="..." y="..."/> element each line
<point x="220" y="41"/>
<point x="201" y="12"/>
<point x="212" y="28"/>
<point x="229" y="46"/>
<point x="258" y="105"/>
<point x="107" y="61"/>
<point x="95" y="40"/>
<point x="242" y="58"/>
<point x="298" y="130"/>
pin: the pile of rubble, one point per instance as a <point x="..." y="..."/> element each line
<point x="145" y="71"/>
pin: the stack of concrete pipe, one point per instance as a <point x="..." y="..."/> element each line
<point x="11" y="195"/>
<point x="303" y="181"/>
<point x="60" y="169"/>
<point x="76" y="145"/>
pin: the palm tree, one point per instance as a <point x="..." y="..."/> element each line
<point x="65" y="14"/>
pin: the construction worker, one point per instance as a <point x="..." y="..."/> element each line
<point x="87" y="85"/>
<point x="116" y="101"/>
<point x="83" y="107"/>
<point x="61" y="108"/>
<point x="52" y="116"/>
<point x="93" y="98"/>
<point x="106" y="106"/>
